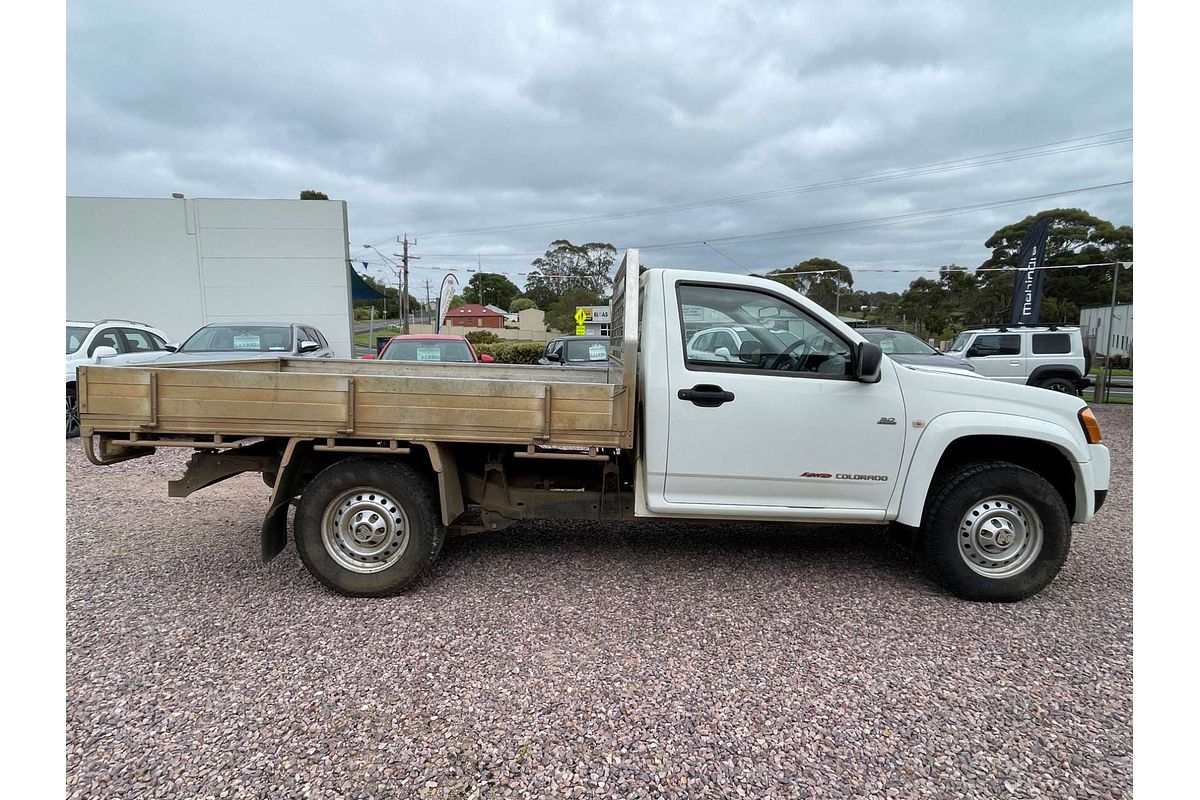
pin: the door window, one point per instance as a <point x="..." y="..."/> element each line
<point x="996" y="344"/>
<point x="109" y="337"/>
<point x="775" y="336"/>
<point x="140" y="341"/>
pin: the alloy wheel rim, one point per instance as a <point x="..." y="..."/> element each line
<point x="72" y="414"/>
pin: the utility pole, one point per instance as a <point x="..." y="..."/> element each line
<point x="1102" y="385"/>
<point x="479" y="264"/>
<point x="427" y="300"/>
<point x="405" y="257"/>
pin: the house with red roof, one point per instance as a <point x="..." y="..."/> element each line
<point x="473" y="315"/>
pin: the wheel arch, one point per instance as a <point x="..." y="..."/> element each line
<point x="1049" y="371"/>
<point x="299" y="463"/>
<point x="1039" y="446"/>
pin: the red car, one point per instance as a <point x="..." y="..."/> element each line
<point x="431" y="347"/>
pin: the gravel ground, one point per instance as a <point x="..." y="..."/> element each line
<point x="622" y="660"/>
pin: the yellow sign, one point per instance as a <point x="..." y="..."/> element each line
<point x="580" y="330"/>
<point x="582" y="315"/>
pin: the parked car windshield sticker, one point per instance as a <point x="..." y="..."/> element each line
<point x="429" y="354"/>
<point x="597" y="352"/>
<point x="246" y="341"/>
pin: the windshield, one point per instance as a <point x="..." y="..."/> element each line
<point x="75" y="337"/>
<point x="899" y="343"/>
<point x="960" y="343"/>
<point x="445" y="350"/>
<point x="586" y="351"/>
<point x="240" y="339"/>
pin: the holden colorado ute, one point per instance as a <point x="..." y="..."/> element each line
<point x="807" y="423"/>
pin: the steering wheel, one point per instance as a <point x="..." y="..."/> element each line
<point x="787" y="361"/>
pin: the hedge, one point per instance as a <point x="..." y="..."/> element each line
<point x="481" y="337"/>
<point x="512" y="352"/>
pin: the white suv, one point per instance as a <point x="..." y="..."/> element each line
<point x="1049" y="356"/>
<point x="115" y="341"/>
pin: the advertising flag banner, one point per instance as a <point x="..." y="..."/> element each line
<point x="1028" y="284"/>
<point x="449" y="289"/>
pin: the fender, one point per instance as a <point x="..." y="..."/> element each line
<point x="444" y="463"/>
<point x="1045" y="371"/>
<point x="909" y="502"/>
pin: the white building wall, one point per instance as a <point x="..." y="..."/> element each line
<point x="1093" y="324"/>
<point x="180" y="264"/>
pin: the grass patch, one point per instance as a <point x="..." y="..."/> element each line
<point x="364" y="339"/>
<point x="1117" y="373"/>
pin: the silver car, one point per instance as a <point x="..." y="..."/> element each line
<point x="232" y="341"/>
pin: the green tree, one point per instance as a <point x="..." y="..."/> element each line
<point x="458" y="300"/>
<point x="1075" y="237"/>
<point x="821" y="280"/>
<point x="313" y="194"/>
<point x="561" y="314"/>
<point x="566" y="267"/>
<point x="520" y="304"/>
<point x="498" y="290"/>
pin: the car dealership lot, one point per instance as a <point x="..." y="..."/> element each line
<point x="567" y="659"/>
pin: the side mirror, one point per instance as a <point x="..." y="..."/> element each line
<point x="553" y="356"/>
<point x="750" y="352"/>
<point x="309" y="346"/>
<point x="173" y="347"/>
<point x="869" y="362"/>
<point x="103" y="351"/>
<point x="723" y="352"/>
<point x="485" y="358"/>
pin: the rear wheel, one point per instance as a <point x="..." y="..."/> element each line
<point x="368" y="527"/>
<point x="72" y="413"/>
<point x="996" y="532"/>
<point x="1064" y="385"/>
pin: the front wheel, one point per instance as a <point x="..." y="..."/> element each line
<point x="368" y="527"/>
<point x="996" y="532"/>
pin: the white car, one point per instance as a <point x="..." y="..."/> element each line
<point x="113" y="341"/>
<point x="1050" y="356"/>
<point x="724" y="342"/>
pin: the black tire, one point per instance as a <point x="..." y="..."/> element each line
<point x="1064" y="385"/>
<point x="72" y="413"/>
<point x="961" y="493"/>
<point x="407" y="493"/>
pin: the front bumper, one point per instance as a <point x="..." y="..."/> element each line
<point x="1095" y="481"/>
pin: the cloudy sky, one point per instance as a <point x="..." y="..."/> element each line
<point x="490" y="129"/>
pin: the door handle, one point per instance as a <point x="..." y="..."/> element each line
<point x="706" y="395"/>
<point x="1015" y="363"/>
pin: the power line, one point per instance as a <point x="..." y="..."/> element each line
<point x="875" y="222"/>
<point x="773" y="274"/>
<point x="1032" y="151"/>
<point x="799" y="232"/>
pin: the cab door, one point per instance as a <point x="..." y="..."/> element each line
<point x="785" y="426"/>
<point x="999" y="356"/>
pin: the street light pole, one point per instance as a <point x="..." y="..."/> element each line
<point x="394" y="270"/>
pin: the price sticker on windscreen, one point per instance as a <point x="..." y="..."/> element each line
<point x="597" y="352"/>
<point x="246" y="341"/>
<point x="429" y="354"/>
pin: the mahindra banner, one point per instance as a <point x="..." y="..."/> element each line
<point x="1027" y="288"/>
<point x="449" y="288"/>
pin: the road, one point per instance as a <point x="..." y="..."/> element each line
<point x="581" y="659"/>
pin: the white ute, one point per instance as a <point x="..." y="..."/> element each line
<point x="807" y="423"/>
